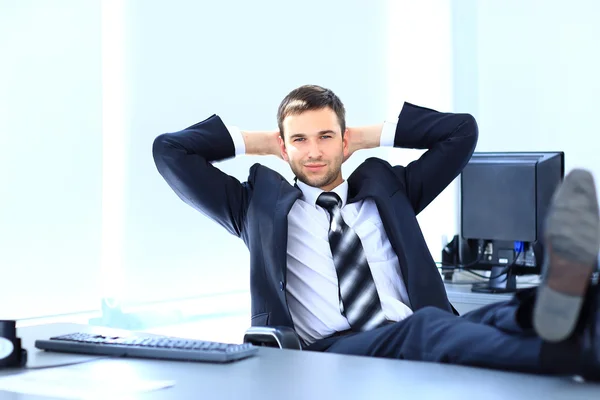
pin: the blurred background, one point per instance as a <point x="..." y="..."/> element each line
<point x="90" y="232"/>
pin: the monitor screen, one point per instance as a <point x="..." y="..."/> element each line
<point x="504" y="198"/>
<point x="502" y="194"/>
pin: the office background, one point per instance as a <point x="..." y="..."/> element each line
<point x="86" y="85"/>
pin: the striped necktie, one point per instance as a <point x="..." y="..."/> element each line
<point x="359" y="301"/>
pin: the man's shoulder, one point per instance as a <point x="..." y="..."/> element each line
<point x="260" y="173"/>
<point x="375" y="168"/>
<point x="373" y="165"/>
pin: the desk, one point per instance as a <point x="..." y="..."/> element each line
<point x="287" y="374"/>
<point x="464" y="300"/>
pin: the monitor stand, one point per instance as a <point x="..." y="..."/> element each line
<point x="506" y="283"/>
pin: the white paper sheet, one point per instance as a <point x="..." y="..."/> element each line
<point x="71" y="383"/>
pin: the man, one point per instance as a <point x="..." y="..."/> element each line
<point x="344" y="262"/>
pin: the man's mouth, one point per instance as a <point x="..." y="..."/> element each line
<point x="314" y="167"/>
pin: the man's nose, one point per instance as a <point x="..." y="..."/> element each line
<point x="314" y="150"/>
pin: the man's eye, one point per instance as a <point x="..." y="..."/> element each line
<point x="298" y="139"/>
<point x="326" y="137"/>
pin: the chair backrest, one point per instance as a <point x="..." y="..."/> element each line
<point x="282" y="337"/>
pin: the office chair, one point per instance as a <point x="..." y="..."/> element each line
<point x="282" y="337"/>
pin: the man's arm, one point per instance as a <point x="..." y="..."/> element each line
<point x="449" y="139"/>
<point x="184" y="160"/>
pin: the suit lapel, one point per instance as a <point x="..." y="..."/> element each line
<point x="288" y="195"/>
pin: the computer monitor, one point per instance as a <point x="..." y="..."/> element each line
<point x="504" y="199"/>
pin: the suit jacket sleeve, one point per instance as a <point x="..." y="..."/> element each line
<point x="184" y="160"/>
<point x="450" y="140"/>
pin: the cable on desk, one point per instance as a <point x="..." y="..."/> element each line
<point x="480" y="246"/>
<point x="463" y="282"/>
<point x="462" y="268"/>
<point x="466" y="268"/>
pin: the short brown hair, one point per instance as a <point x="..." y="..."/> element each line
<point x="307" y="98"/>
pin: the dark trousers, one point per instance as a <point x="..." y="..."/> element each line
<point x="498" y="336"/>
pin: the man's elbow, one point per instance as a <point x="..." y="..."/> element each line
<point x="469" y="128"/>
<point x="160" y="148"/>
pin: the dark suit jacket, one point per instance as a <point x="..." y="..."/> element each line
<point x="256" y="210"/>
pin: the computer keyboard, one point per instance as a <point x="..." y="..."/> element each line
<point x="159" y="347"/>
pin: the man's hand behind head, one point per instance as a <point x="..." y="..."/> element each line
<point x="262" y="143"/>
<point x="363" y="137"/>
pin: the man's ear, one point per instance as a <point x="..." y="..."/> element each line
<point x="284" y="154"/>
<point x="345" y="144"/>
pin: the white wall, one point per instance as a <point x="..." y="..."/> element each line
<point x="87" y="86"/>
<point x="50" y="163"/>
<point x="420" y="71"/>
<point x="185" y="60"/>
<point x="526" y="70"/>
<point x="529" y="71"/>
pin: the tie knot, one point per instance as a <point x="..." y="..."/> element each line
<point x="329" y="200"/>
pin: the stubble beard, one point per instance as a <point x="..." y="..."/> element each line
<point x="317" y="181"/>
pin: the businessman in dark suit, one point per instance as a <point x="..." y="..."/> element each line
<point x="344" y="262"/>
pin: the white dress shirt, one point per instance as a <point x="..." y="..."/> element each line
<point x="312" y="286"/>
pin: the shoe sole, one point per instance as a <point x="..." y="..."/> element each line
<point x="572" y="245"/>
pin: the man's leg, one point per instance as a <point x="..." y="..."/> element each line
<point x="498" y="336"/>
<point x="513" y="316"/>
<point x="431" y="334"/>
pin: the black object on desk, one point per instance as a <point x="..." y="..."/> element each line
<point x="158" y="347"/>
<point x="11" y="353"/>
<point x="504" y="200"/>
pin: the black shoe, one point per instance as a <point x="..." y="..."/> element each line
<point x="572" y="244"/>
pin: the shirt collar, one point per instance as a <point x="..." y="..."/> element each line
<point x="310" y="193"/>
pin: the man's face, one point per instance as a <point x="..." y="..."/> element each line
<point x="314" y="147"/>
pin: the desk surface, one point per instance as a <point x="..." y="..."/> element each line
<point x="464" y="300"/>
<point x="288" y="374"/>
